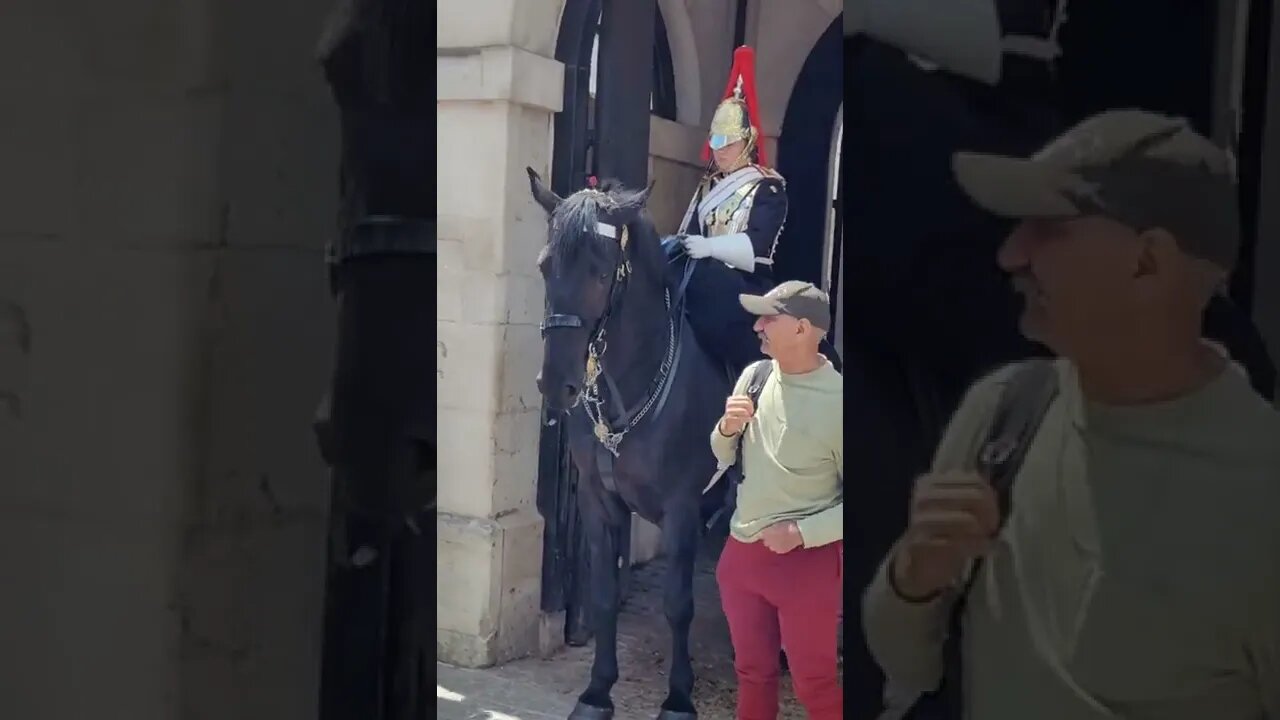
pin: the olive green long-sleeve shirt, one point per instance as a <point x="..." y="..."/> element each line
<point x="793" y="456"/>
<point x="1138" y="576"/>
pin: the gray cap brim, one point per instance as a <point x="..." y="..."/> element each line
<point x="1014" y="187"/>
<point x="759" y="305"/>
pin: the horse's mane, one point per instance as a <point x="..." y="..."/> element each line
<point x="573" y="226"/>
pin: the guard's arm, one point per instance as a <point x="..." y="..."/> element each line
<point x="768" y="216"/>
<point x="754" y="245"/>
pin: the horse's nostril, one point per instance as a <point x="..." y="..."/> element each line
<point x="571" y="390"/>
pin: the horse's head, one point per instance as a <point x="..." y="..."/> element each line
<point x="592" y="235"/>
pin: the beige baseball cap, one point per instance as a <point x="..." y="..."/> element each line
<point x="799" y="299"/>
<point x="1139" y="168"/>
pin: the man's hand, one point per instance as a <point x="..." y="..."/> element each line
<point x="738" y="411"/>
<point x="954" y="518"/>
<point x="782" y="537"/>
<point x="697" y="246"/>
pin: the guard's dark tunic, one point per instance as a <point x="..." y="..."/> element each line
<point x="759" y="209"/>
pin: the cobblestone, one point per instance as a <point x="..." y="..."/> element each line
<point x="546" y="689"/>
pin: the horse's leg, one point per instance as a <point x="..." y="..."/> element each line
<point x="680" y="533"/>
<point x="599" y="510"/>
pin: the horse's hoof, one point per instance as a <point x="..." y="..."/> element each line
<point x="583" y="711"/>
<point x="675" y="715"/>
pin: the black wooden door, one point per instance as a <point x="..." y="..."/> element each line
<point x="557" y="481"/>
<point x="607" y="137"/>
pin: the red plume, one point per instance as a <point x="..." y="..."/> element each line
<point x="744" y="66"/>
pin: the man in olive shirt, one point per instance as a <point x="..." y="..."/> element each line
<point x="1138" y="573"/>
<point x="780" y="572"/>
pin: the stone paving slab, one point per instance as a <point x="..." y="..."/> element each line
<point x="463" y="694"/>
<point x="546" y="689"/>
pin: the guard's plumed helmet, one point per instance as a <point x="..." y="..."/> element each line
<point x="736" y="117"/>
<point x="731" y="123"/>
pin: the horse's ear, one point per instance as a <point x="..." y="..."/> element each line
<point x="648" y="190"/>
<point x="636" y="203"/>
<point x="542" y="194"/>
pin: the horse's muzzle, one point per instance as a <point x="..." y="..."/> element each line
<point x="559" y="399"/>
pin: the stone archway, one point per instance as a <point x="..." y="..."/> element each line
<point x="684" y="55"/>
<point x="785" y="37"/>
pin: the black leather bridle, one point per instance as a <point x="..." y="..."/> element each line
<point x="552" y="321"/>
<point x="609" y="434"/>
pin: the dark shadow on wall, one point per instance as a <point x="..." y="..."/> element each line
<point x="804" y="154"/>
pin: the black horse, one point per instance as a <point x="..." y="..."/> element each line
<point x="638" y="397"/>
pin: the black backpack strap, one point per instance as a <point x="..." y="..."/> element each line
<point x="760" y="373"/>
<point x="1023" y="404"/>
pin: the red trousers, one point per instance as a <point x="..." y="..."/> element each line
<point x="773" y="601"/>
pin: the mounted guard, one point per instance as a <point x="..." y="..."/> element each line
<point x="734" y="218"/>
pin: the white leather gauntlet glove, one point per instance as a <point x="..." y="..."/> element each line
<point x="734" y="250"/>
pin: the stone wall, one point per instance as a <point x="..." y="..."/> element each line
<point x="163" y="200"/>
<point x="498" y="89"/>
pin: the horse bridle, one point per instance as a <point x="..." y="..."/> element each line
<point x="661" y="386"/>
<point x="552" y="321"/>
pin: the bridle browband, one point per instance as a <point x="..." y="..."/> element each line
<point x="567" y="320"/>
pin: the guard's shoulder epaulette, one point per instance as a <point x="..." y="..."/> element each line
<point x="771" y="174"/>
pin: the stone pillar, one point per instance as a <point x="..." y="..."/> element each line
<point x="498" y="88"/>
<point x="104" y="202"/>
<point x="164" y="334"/>
<point x="251" y="570"/>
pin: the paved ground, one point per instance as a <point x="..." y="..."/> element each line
<point x="547" y="689"/>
